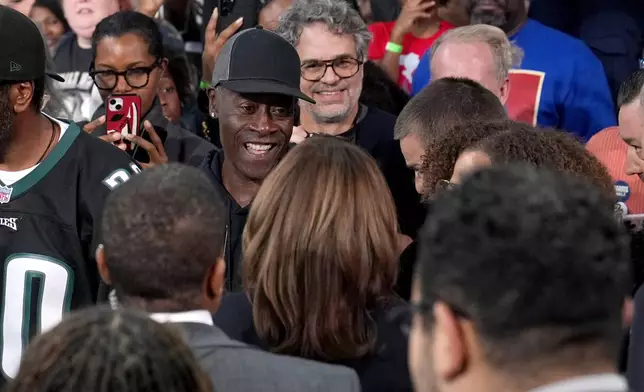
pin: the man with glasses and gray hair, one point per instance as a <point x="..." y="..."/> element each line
<point x="332" y="41"/>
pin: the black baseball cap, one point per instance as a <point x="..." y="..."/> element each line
<point x="23" y="54"/>
<point x="259" y="61"/>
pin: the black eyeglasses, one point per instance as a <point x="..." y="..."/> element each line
<point x="344" y="67"/>
<point x="137" y="77"/>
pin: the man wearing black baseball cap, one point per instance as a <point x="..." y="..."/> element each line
<point x="54" y="179"/>
<point x="255" y="88"/>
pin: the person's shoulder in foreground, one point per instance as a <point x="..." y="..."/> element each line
<point x="238" y="366"/>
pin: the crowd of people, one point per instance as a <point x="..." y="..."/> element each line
<point x="323" y="195"/>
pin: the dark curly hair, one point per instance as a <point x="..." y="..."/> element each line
<point x="443" y="151"/>
<point x="102" y="350"/>
<point x="556" y="150"/>
<point x="380" y="91"/>
<point x="534" y="260"/>
<point x="180" y="72"/>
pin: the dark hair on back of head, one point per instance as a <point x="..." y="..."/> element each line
<point x="445" y="103"/>
<point x="380" y="91"/>
<point x="534" y="259"/>
<point x="163" y="230"/>
<point x="130" y="22"/>
<point x="631" y="89"/>
<point x="551" y="149"/>
<point x="443" y="150"/>
<point x="102" y="350"/>
<point x="179" y="70"/>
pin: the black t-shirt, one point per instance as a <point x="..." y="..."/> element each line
<point x="72" y="63"/>
<point x="49" y="224"/>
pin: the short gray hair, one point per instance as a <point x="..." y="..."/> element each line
<point x="337" y="15"/>
<point x="506" y="55"/>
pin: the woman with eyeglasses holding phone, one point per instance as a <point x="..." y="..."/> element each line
<point x="128" y="58"/>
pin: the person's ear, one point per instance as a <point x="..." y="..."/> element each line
<point x="450" y="346"/>
<point x="214" y="283"/>
<point x="163" y="66"/>
<point x="505" y="91"/>
<point x="212" y="103"/>
<point x="101" y="263"/>
<point x="21" y="95"/>
<point x="627" y="312"/>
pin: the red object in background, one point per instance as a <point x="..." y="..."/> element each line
<point x="123" y="115"/>
<point x="413" y="48"/>
<point x="525" y="95"/>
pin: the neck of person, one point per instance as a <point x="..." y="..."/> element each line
<point x="242" y="189"/>
<point x="31" y="141"/>
<point x="329" y="128"/>
<point x="166" y="305"/>
<point x="426" y="28"/>
<point x="84" y="43"/>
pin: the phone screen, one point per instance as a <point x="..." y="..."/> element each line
<point x="231" y="10"/>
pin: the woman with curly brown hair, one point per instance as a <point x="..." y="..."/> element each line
<point x="321" y="249"/>
<point x="442" y="152"/>
<point x="547" y="148"/>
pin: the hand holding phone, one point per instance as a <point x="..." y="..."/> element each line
<point x="148" y="148"/>
<point x="123" y="115"/>
<point x="214" y="41"/>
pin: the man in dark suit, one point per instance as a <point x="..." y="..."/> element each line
<point x="164" y="237"/>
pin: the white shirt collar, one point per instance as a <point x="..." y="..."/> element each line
<point x="194" y="316"/>
<point x="607" y="382"/>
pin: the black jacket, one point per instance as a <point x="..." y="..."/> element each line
<point x="385" y="370"/>
<point x="374" y="131"/>
<point x="236" y="219"/>
<point x="180" y="144"/>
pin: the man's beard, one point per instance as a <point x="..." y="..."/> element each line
<point x="488" y="18"/>
<point x="7" y="117"/>
<point x="497" y="18"/>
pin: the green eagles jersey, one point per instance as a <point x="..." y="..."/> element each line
<point x="49" y="221"/>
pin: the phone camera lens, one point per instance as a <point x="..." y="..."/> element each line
<point x="118" y="107"/>
<point x="112" y="101"/>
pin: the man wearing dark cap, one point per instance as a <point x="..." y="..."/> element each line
<point x="54" y="179"/>
<point x="255" y="88"/>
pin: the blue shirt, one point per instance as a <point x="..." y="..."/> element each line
<point x="560" y="83"/>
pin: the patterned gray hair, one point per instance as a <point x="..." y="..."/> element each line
<point x="339" y="17"/>
<point x="506" y="55"/>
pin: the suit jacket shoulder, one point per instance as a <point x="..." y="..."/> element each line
<point x="235" y="366"/>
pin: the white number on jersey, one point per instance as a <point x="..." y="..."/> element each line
<point x="120" y="176"/>
<point x="56" y="286"/>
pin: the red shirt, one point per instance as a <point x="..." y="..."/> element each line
<point x="610" y="149"/>
<point x="413" y="48"/>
